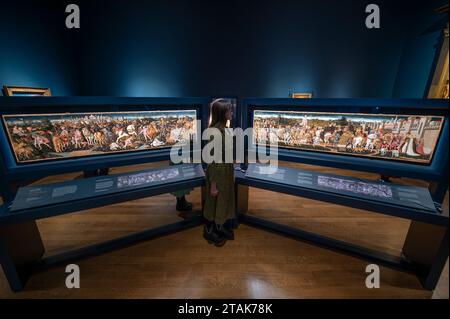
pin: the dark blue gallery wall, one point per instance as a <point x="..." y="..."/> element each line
<point x="34" y="50"/>
<point x="254" y="48"/>
<point x="264" y="48"/>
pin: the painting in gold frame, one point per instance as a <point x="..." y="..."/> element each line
<point x="301" y="95"/>
<point x="25" y="91"/>
<point x="408" y="138"/>
<point x="40" y="137"/>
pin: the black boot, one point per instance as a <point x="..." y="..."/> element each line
<point x="183" y="205"/>
<point x="87" y="174"/>
<point x="212" y="236"/>
<point x="228" y="233"/>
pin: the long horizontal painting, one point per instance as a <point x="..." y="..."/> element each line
<point x="411" y="138"/>
<point x="40" y="137"/>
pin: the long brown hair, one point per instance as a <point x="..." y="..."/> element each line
<point x="219" y="109"/>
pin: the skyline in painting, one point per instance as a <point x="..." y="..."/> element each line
<point x="411" y="138"/>
<point x="39" y="137"/>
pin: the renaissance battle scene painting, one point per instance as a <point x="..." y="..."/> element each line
<point x="41" y="137"/>
<point x="408" y="138"/>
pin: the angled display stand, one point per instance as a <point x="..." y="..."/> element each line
<point x="21" y="247"/>
<point x="26" y="123"/>
<point x="425" y="250"/>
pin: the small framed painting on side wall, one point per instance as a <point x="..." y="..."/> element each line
<point x="301" y="95"/>
<point x="25" y="91"/>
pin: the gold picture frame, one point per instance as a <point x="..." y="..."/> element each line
<point x="399" y="137"/>
<point x="62" y="136"/>
<point x="301" y="95"/>
<point x="25" y="91"/>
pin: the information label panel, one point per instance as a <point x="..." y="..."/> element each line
<point x="44" y="195"/>
<point x="404" y="195"/>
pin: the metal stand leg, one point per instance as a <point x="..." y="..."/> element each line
<point x="438" y="190"/>
<point x="8" y="191"/>
<point x="426" y="245"/>
<point x="21" y="248"/>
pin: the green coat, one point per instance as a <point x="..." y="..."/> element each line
<point x="222" y="207"/>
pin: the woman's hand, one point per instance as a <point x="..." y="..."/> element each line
<point x="213" y="190"/>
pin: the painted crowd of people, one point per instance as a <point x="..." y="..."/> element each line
<point x="34" y="140"/>
<point x="383" y="191"/>
<point x="350" y="137"/>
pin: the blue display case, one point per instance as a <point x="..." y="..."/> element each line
<point x="435" y="170"/>
<point x="302" y="126"/>
<point x="13" y="171"/>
